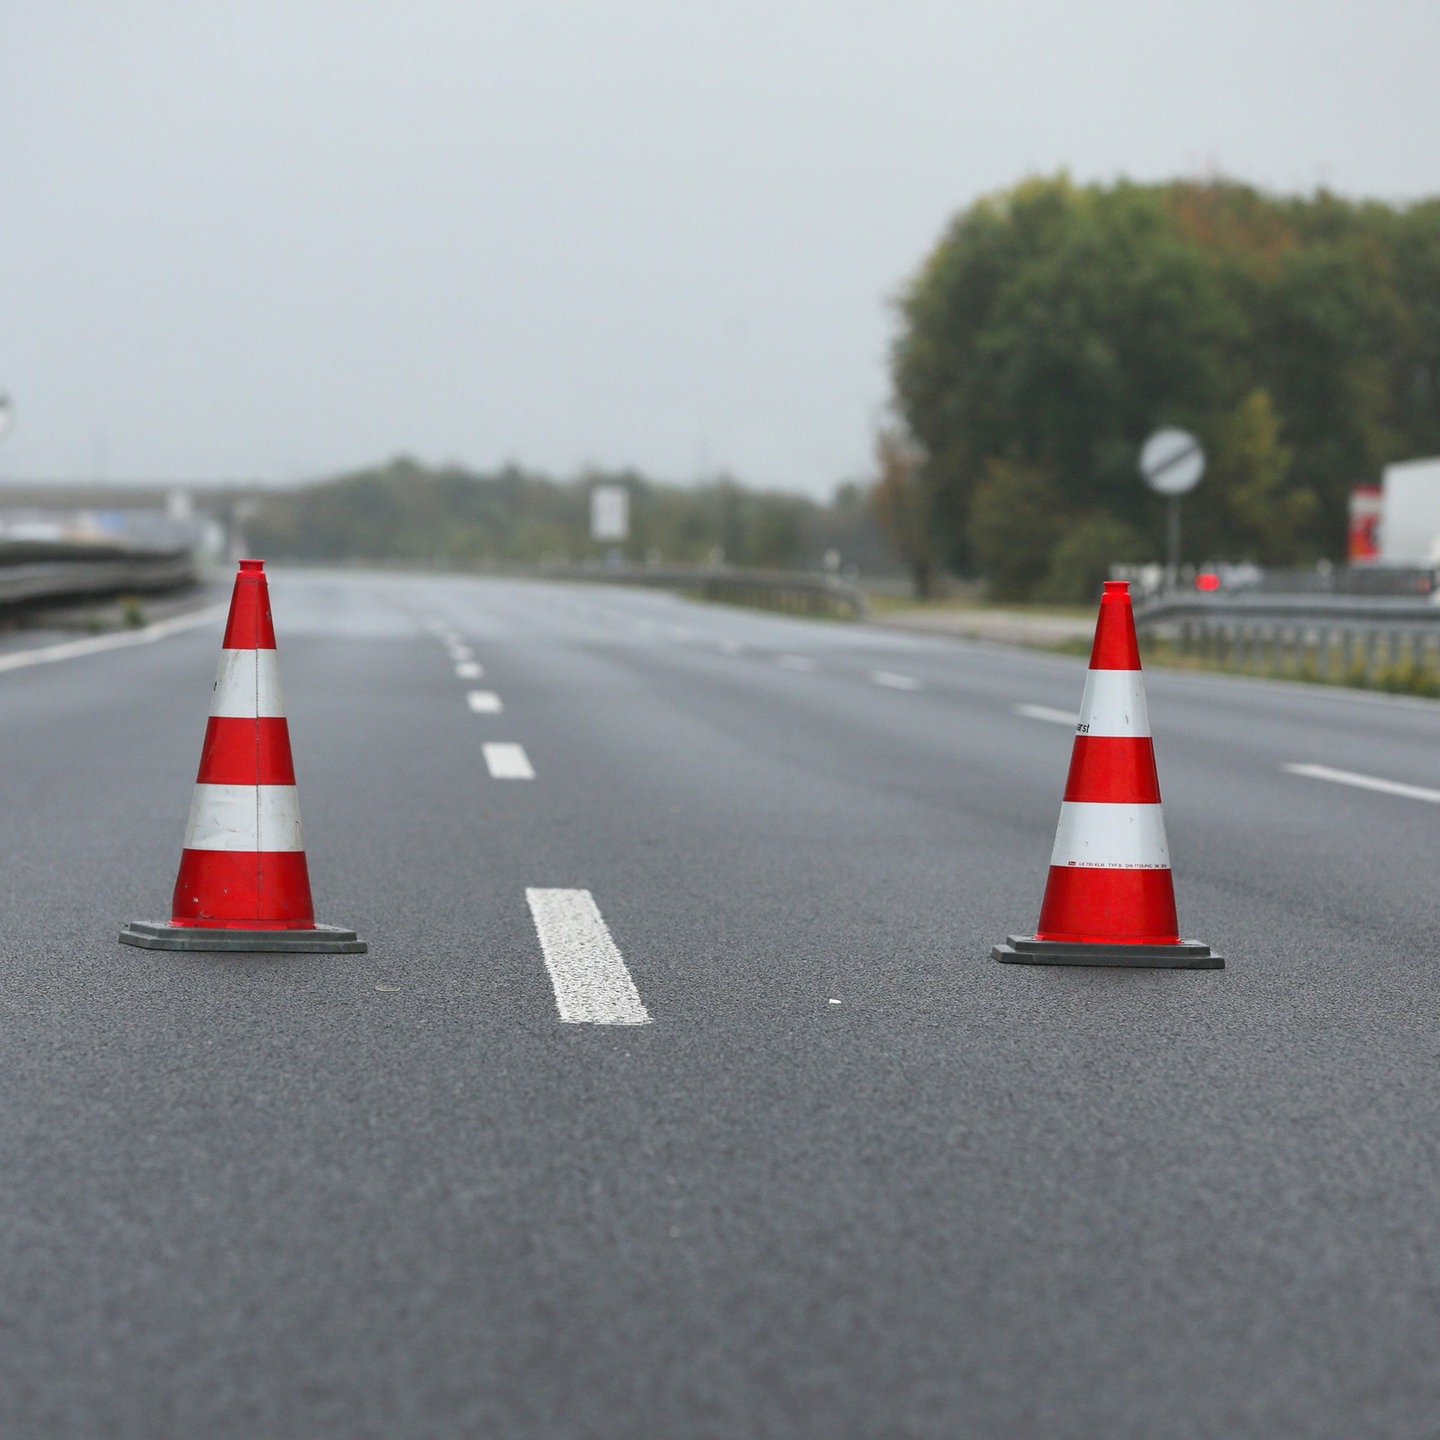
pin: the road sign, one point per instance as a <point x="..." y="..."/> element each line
<point x="609" y="513"/>
<point x="1172" y="462"/>
<point x="7" y="414"/>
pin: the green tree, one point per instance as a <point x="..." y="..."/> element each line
<point x="1083" y="556"/>
<point x="1267" y="516"/>
<point x="1055" y="325"/>
<point x="1015" y="522"/>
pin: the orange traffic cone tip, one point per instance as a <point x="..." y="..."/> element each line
<point x="243" y="881"/>
<point x="1110" y="898"/>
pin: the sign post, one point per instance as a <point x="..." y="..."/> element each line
<point x="1172" y="462"/>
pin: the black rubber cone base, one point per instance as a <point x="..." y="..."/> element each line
<point x="1184" y="955"/>
<point x="327" y="939"/>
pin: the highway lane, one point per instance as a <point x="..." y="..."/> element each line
<point x="394" y="1195"/>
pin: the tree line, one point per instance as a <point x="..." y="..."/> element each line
<point x="1055" y="325"/>
<point x="448" y="516"/>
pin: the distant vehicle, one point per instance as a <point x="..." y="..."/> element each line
<point x="1222" y="575"/>
<point x="1404" y="519"/>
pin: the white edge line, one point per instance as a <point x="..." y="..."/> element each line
<point x="1365" y="782"/>
<point x="97" y="644"/>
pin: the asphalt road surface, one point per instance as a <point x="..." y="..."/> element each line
<point x="851" y="1179"/>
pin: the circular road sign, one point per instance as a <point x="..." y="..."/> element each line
<point x="1172" y="462"/>
<point x="7" y="414"/>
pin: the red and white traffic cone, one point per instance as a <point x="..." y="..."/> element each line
<point x="1110" y="898"/>
<point x="243" y="881"/>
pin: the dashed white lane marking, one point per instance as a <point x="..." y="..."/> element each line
<point x="731" y="647"/>
<point x="507" y="761"/>
<point x="460" y="652"/>
<point x="96" y="644"/>
<point x="468" y="670"/>
<point x="484" y="702"/>
<point x="892" y="681"/>
<point x="1365" y="782"/>
<point x="794" y="662"/>
<point x="1067" y="718"/>
<point x="592" y="985"/>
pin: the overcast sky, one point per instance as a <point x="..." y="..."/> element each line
<point x="279" y="238"/>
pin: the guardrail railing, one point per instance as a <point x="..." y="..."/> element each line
<point x="1320" y="637"/>
<point x="32" y="573"/>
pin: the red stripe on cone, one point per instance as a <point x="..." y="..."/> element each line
<point x="1108" y="907"/>
<point x="1115" y="647"/>
<point x="246" y="752"/>
<point x="250" y="626"/>
<point x="243" y="890"/>
<point x="1113" y="768"/>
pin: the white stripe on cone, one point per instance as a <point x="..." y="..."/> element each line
<point x="247" y="686"/>
<point x="1114" y="704"/>
<point x="1110" y="837"/>
<point x="244" y="817"/>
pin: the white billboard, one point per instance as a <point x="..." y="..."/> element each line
<point x="609" y="513"/>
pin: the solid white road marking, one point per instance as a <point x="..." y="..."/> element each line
<point x="1365" y="782"/>
<point x="1067" y="718"/>
<point x="894" y="682"/>
<point x="484" y="702"/>
<point x="507" y="761"/>
<point x="794" y="662"/>
<point x="592" y="985"/>
<point x="468" y="670"/>
<point x="96" y="644"/>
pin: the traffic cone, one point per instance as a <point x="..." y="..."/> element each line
<point x="243" y="882"/>
<point x="1110" y="898"/>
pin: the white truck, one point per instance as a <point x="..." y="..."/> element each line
<point x="1410" y="513"/>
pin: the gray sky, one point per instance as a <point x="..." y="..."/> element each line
<point x="279" y="238"/>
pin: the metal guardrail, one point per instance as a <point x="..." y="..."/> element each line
<point x="73" y="573"/>
<point x="1322" y="637"/>
<point x="767" y="589"/>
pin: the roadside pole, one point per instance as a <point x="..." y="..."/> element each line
<point x="1171" y="463"/>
